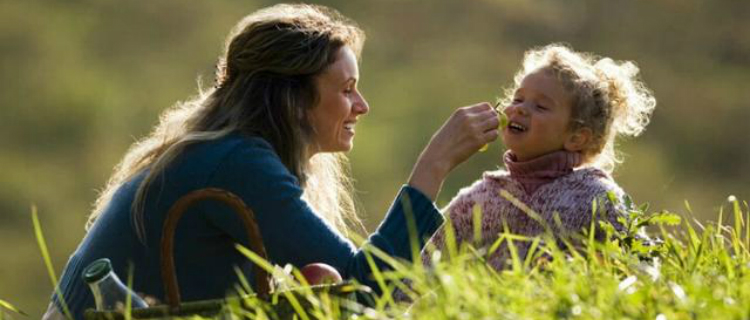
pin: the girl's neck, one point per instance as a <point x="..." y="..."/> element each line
<point x="534" y="173"/>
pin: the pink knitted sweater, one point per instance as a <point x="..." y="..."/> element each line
<point x="547" y="185"/>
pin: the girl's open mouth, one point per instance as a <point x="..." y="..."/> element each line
<point x="516" y="127"/>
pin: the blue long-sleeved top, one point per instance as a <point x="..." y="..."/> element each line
<point x="205" y="253"/>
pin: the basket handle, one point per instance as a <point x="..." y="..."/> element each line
<point x="262" y="278"/>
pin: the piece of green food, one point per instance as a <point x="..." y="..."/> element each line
<point x="503" y="119"/>
<point x="503" y="123"/>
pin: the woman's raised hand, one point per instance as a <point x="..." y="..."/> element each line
<point x="463" y="134"/>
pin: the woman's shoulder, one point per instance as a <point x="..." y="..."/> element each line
<point x="233" y="151"/>
<point x="214" y="150"/>
<point x="250" y="157"/>
<point x="234" y="147"/>
<point x="237" y="142"/>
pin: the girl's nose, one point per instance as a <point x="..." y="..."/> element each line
<point x="515" y="108"/>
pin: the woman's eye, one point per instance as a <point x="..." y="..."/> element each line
<point x="541" y="107"/>
<point x="517" y="100"/>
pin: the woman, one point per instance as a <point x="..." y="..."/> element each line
<point x="285" y="105"/>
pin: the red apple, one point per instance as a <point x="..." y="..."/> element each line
<point x="320" y="273"/>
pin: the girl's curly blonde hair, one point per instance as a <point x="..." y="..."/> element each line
<point x="607" y="97"/>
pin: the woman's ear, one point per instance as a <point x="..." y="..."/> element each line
<point x="579" y="139"/>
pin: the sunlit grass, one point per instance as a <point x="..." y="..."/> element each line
<point x="686" y="270"/>
<point x="47" y="261"/>
<point x="4" y="305"/>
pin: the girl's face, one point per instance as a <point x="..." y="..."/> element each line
<point x="339" y="105"/>
<point x="538" y="118"/>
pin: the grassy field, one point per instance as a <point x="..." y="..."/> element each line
<point x="83" y="80"/>
<point x="687" y="270"/>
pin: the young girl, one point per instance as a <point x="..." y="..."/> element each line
<point x="564" y="114"/>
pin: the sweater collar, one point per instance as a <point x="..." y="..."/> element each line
<point x="541" y="170"/>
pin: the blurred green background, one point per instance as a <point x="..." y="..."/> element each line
<point x="81" y="80"/>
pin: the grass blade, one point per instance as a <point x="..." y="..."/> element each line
<point x="6" y="305"/>
<point x="476" y="217"/>
<point x="47" y="260"/>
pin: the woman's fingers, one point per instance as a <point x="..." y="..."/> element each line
<point x="462" y="135"/>
<point x="492" y="134"/>
<point x="468" y="129"/>
<point x="481" y="123"/>
<point x="491" y="121"/>
<point x="480" y="107"/>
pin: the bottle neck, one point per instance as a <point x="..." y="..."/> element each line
<point x="111" y="294"/>
<point x="104" y="284"/>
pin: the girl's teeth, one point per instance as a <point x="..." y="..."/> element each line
<point x="516" y="126"/>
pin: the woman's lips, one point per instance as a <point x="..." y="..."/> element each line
<point x="349" y="127"/>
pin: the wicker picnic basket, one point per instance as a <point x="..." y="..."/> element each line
<point x="283" y="304"/>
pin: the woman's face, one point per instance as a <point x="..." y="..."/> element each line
<point x="339" y="105"/>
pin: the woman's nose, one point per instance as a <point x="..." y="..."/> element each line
<point x="361" y="106"/>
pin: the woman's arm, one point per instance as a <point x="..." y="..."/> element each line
<point x="293" y="233"/>
<point x="462" y="135"/>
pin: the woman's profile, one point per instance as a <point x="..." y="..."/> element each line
<point x="273" y="131"/>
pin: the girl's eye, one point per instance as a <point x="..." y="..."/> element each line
<point x="517" y="100"/>
<point x="541" y="107"/>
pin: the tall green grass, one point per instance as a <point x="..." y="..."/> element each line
<point x="686" y="270"/>
<point x="4" y="305"/>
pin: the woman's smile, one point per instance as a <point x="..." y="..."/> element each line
<point x="349" y="126"/>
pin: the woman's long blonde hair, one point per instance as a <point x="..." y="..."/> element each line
<point x="265" y="86"/>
